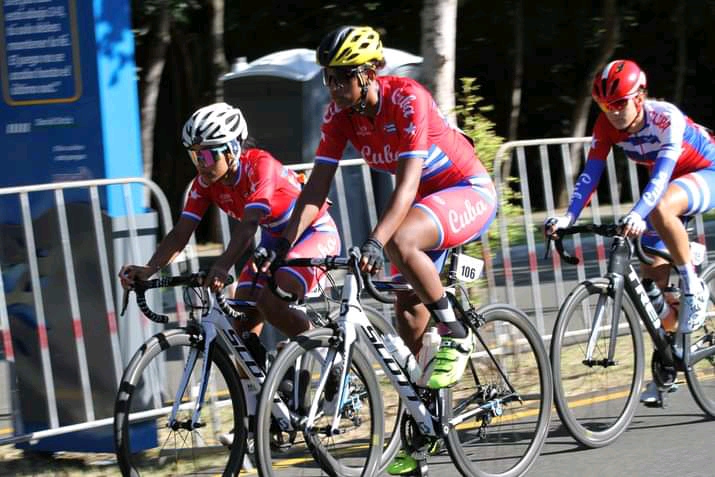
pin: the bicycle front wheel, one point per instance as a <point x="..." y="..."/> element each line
<point x="701" y="375"/>
<point x="148" y="441"/>
<point x="499" y="411"/>
<point x="307" y="447"/>
<point x="596" y="400"/>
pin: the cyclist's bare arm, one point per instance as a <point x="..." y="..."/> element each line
<point x="166" y="251"/>
<point x="310" y="200"/>
<point x="241" y="238"/>
<point x="407" y="181"/>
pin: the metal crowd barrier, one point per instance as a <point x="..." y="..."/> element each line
<point x="107" y="280"/>
<point x="506" y="279"/>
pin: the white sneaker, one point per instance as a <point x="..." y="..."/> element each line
<point x="226" y="438"/>
<point x="653" y="395"/>
<point x="693" y="308"/>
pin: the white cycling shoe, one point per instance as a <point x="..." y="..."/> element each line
<point x="694" y="307"/>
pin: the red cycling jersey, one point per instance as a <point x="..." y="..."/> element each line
<point x="262" y="183"/>
<point x="408" y="124"/>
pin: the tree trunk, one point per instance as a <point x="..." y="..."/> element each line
<point x="516" y="83"/>
<point x="611" y="26"/>
<point x="518" y="70"/>
<point x="220" y="66"/>
<point x="439" y="31"/>
<point x="681" y="38"/>
<point x="150" y="82"/>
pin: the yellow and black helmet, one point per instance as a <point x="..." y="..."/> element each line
<point x="349" y="46"/>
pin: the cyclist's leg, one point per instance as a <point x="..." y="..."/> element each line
<point x="439" y="221"/>
<point x="687" y="195"/>
<point x="319" y="240"/>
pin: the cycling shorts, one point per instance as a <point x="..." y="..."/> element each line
<point x="700" y="187"/>
<point x="319" y="240"/>
<point x="461" y="213"/>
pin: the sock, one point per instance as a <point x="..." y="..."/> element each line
<point x="691" y="283"/>
<point x="444" y="314"/>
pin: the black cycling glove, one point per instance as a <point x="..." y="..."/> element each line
<point x="372" y="251"/>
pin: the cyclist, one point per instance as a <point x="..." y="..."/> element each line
<point x="251" y="186"/>
<point x="680" y="155"/>
<point x="443" y="195"/>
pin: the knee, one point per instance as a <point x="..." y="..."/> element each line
<point x="400" y="246"/>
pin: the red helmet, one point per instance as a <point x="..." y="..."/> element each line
<point x="620" y="79"/>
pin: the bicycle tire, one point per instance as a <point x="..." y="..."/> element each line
<point x="132" y="397"/>
<point x="392" y="404"/>
<point x="480" y="456"/>
<point x="327" y="460"/>
<point x="611" y="402"/>
<point x="701" y="374"/>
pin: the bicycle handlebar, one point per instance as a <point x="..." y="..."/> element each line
<point x="330" y="262"/>
<point x="605" y="230"/>
<point x="194" y="280"/>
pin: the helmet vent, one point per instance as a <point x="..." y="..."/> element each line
<point x="343" y="54"/>
<point x="614" y="86"/>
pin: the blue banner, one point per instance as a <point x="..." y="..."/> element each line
<point x="68" y="78"/>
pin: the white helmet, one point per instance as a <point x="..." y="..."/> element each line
<point x="214" y="125"/>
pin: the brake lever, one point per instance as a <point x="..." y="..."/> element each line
<point x="125" y="302"/>
<point x="547" y="253"/>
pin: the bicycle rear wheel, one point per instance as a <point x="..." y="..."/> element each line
<point x="701" y="376"/>
<point x="596" y="402"/>
<point x="144" y="403"/>
<point x="504" y="441"/>
<point x="354" y="451"/>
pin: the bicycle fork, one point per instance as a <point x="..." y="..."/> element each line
<point x="209" y="337"/>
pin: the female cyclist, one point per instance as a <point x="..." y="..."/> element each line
<point x="252" y="186"/>
<point x="443" y="196"/>
<point x="680" y="155"/>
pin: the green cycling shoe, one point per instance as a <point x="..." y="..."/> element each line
<point x="450" y="361"/>
<point x="405" y="464"/>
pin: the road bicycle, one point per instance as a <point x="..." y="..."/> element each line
<point x="184" y="388"/>
<point x="493" y="422"/>
<point x="597" y="346"/>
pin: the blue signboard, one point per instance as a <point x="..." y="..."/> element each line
<point x="69" y="111"/>
<point x="69" y="102"/>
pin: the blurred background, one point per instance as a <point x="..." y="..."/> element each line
<point x="533" y="61"/>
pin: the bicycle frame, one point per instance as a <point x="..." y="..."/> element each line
<point x="623" y="276"/>
<point x="214" y="325"/>
<point x="352" y="323"/>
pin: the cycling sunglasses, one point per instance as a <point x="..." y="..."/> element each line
<point x="339" y="77"/>
<point x="617" y="105"/>
<point x="207" y="157"/>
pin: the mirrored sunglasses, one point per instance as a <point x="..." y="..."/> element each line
<point x="207" y="157"/>
<point x="617" y="105"/>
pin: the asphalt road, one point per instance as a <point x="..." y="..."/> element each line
<point x="676" y="441"/>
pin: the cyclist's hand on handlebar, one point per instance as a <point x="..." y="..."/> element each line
<point x="130" y="273"/>
<point x="264" y="262"/>
<point x="217" y="277"/>
<point x="552" y="224"/>
<point x="632" y="225"/>
<point x="372" y="259"/>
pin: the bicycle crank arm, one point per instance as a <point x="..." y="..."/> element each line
<point x="599" y="362"/>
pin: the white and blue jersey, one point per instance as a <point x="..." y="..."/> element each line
<point x="672" y="146"/>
